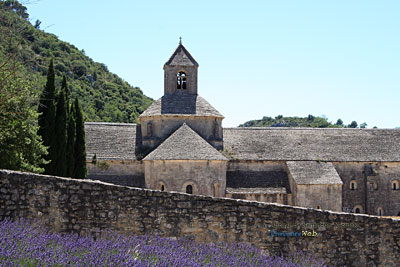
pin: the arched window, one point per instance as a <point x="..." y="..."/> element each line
<point x="353" y="185"/>
<point x="380" y="211"/>
<point x="162" y="186"/>
<point x="395" y="185"/>
<point x="189" y="189"/>
<point x="181" y="80"/>
<point x="215" y="190"/>
<point x="149" y="129"/>
<point x="358" y="209"/>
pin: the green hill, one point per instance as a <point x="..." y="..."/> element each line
<point x="309" y="122"/>
<point x="103" y="95"/>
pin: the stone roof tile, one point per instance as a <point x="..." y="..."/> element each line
<point x="185" y="144"/>
<point x="110" y="141"/>
<point x="329" y="144"/>
<point x="255" y="190"/>
<point x="181" y="104"/>
<point x="313" y="172"/>
<point x="181" y="57"/>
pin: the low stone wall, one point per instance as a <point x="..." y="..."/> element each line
<point x="82" y="206"/>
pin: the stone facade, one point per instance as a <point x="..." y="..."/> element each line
<point x="315" y="185"/>
<point x="373" y="187"/>
<point x="83" y="206"/>
<point x="206" y="177"/>
<point x="180" y="134"/>
<point x="159" y="128"/>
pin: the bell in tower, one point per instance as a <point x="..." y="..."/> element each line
<point x="180" y="104"/>
<point x="180" y="73"/>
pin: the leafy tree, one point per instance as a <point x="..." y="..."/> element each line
<point x="37" y="24"/>
<point x="339" y="122"/>
<point x="363" y="125"/>
<point x="15" y="6"/>
<point x="47" y="118"/>
<point x="353" y="124"/>
<point x="80" y="150"/>
<point x="21" y="147"/>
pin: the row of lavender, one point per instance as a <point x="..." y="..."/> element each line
<point x="28" y="244"/>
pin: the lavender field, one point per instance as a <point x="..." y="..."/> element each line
<point x="28" y="244"/>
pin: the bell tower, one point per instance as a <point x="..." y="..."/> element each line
<point x="180" y="104"/>
<point x="180" y="72"/>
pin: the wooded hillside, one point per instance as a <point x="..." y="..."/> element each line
<point x="103" y="95"/>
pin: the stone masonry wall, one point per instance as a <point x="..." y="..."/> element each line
<point x="121" y="172"/>
<point x="207" y="177"/>
<point x="164" y="126"/>
<point x="82" y="205"/>
<point x="373" y="189"/>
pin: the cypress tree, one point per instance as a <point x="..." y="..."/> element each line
<point x="59" y="163"/>
<point x="80" y="150"/>
<point x="64" y="86"/>
<point x="46" y="118"/>
<point x="71" y="142"/>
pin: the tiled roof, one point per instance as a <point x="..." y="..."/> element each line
<point x="118" y="141"/>
<point x="181" y="57"/>
<point x="261" y="190"/>
<point x="313" y="172"/>
<point x="185" y="144"/>
<point x="181" y="104"/>
<point x="112" y="141"/>
<point x="315" y="144"/>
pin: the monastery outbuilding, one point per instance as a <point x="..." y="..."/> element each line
<point x="179" y="145"/>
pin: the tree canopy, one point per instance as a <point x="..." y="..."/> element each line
<point x="309" y="122"/>
<point x="21" y="147"/>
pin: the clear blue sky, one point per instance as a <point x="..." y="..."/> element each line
<point x="336" y="58"/>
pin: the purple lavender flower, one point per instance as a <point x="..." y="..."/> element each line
<point x="24" y="243"/>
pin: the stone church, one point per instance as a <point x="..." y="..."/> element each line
<point x="180" y="145"/>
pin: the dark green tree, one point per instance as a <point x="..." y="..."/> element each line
<point x="363" y="125"/>
<point x="80" y="150"/>
<point x="353" y="124"/>
<point x="64" y="86"/>
<point x="60" y="145"/>
<point x="71" y="131"/>
<point x="47" y="111"/>
<point x="339" y="122"/>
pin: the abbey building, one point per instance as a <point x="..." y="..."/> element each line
<point x="180" y="145"/>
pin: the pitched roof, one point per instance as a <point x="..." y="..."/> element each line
<point x="257" y="190"/>
<point x="185" y="144"/>
<point x="313" y="172"/>
<point x="181" y="57"/>
<point x="329" y="144"/>
<point x="110" y="141"/>
<point x="185" y="104"/>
